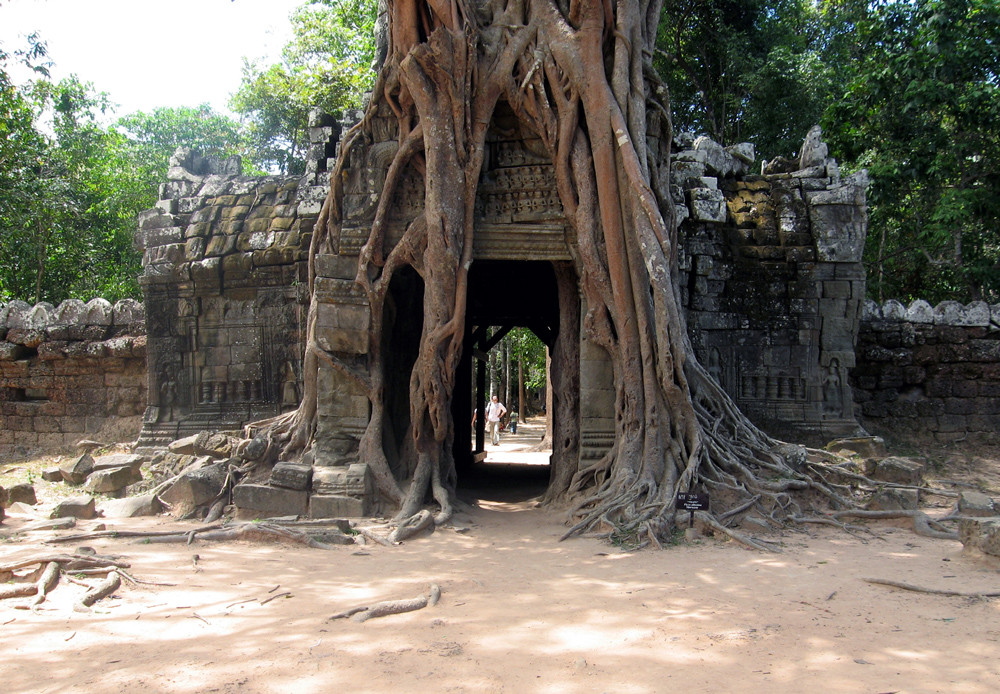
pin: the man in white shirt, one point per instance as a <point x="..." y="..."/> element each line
<point x="494" y="411"/>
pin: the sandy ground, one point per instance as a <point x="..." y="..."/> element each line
<point x="520" y="612"/>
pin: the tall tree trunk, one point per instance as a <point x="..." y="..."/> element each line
<point x="578" y="74"/>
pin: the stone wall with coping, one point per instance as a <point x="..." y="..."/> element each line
<point x="224" y="281"/>
<point x="66" y="371"/>
<point x="929" y="371"/>
<point x="772" y="280"/>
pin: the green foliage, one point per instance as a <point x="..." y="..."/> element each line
<point x="70" y="197"/>
<point x="158" y="134"/>
<point x="922" y="113"/>
<point x="524" y="344"/>
<point x="326" y="65"/>
<point x="746" y="69"/>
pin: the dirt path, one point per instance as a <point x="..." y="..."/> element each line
<point x="520" y="612"/>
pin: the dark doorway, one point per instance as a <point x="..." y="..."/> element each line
<point x="503" y="295"/>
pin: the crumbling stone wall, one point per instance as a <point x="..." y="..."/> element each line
<point x="66" y="371"/>
<point x="930" y="371"/>
<point x="772" y="279"/>
<point x="224" y="280"/>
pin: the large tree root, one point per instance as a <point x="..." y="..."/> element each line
<point x="219" y="532"/>
<point x="932" y="591"/>
<point x="922" y="523"/>
<point x="48" y="568"/>
<point x="102" y="590"/>
<point x="363" y="613"/>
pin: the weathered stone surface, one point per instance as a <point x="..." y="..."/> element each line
<point x="899" y="471"/>
<point x="263" y="501"/>
<point x="338" y="506"/>
<point x="76" y="507"/>
<point x="980" y="535"/>
<point x="976" y="504"/>
<point x="251" y="449"/>
<point x="331" y="537"/>
<point x="291" y="475"/>
<point x="707" y="205"/>
<point x="131" y="507"/>
<point x="865" y="446"/>
<point x="196" y="487"/>
<point x="214" y="444"/>
<point x="894" y="499"/>
<point x="184" y="446"/>
<point x="115" y="460"/>
<point x="111" y="480"/>
<point x="52" y="474"/>
<point x="814" y="151"/>
<point x="76" y="470"/>
<point x="352" y="480"/>
<point x="23" y="493"/>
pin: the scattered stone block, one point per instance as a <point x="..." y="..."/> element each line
<point x="976" y="504"/>
<point x="108" y="462"/>
<point x="338" y="506"/>
<point x="132" y="507"/>
<point x="195" y="487"/>
<point x="184" y="446"/>
<point x="112" y="480"/>
<point x="895" y="499"/>
<point x="331" y="537"/>
<point x="262" y="501"/>
<point x="52" y="474"/>
<point x="87" y="445"/>
<point x="980" y="534"/>
<point x="291" y="476"/>
<point x="214" y="444"/>
<point x="864" y="446"/>
<point x="251" y="449"/>
<point x="898" y="471"/>
<point x="82" y="507"/>
<point x="76" y="470"/>
<point x="24" y="493"/>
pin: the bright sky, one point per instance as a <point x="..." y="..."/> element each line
<point x="148" y="53"/>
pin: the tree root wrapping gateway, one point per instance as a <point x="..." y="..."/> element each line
<point x="578" y="75"/>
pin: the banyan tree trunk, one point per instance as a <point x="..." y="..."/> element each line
<point x="578" y="74"/>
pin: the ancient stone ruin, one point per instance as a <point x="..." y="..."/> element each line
<point x="771" y="281"/>
<point x="67" y="371"/>
<point x="771" y="278"/>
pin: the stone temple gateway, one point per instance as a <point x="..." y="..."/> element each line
<point x="771" y="280"/>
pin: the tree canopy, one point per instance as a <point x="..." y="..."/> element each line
<point x="906" y="88"/>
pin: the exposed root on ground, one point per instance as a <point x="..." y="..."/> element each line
<point x="363" y="613"/>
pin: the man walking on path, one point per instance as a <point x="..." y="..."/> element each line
<point x="494" y="411"/>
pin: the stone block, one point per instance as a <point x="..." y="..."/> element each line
<point x="76" y="470"/>
<point x="263" y="501"/>
<point x="894" y="499"/>
<point x="291" y="475"/>
<point x="75" y="507"/>
<point x="195" y="487"/>
<point x="898" y="471"/>
<point x="132" y="507"/>
<point x="107" y="462"/>
<point x="707" y="205"/>
<point x="214" y="444"/>
<point x="976" y="504"/>
<point x="337" y="506"/>
<point x="352" y="480"/>
<point x="112" y="480"/>
<point x="982" y="535"/>
<point x="24" y="493"/>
